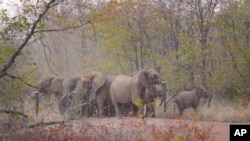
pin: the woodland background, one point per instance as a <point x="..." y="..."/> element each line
<point x="194" y="42"/>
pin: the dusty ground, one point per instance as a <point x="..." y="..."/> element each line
<point x="220" y="128"/>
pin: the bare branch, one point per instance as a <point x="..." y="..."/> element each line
<point x="46" y="58"/>
<point x="26" y="40"/>
<point x="45" y="124"/>
<point x="13" y="112"/>
<point x="26" y="83"/>
<point x="63" y="29"/>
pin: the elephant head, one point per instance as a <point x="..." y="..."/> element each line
<point x="100" y="85"/>
<point x="201" y="92"/>
<point x="148" y="96"/>
<point x="43" y="88"/>
<point x="77" y="90"/>
<point x="149" y="77"/>
<point x="70" y="84"/>
<point x="48" y="85"/>
<point x="44" y="84"/>
<point x="152" y="77"/>
<point x="95" y="80"/>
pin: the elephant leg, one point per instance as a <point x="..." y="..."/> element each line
<point x="84" y="111"/>
<point x="135" y="110"/>
<point x="150" y="111"/>
<point x="153" y="112"/>
<point x="180" y="108"/>
<point x="101" y="107"/>
<point x="101" y="99"/>
<point x="61" y="107"/>
<point x="195" y="109"/>
<point x="140" y="112"/>
<point x="62" y="102"/>
<point x="122" y="108"/>
<point x="111" y="110"/>
<point x="180" y="111"/>
<point x="91" y="110"/>
<point x="117" y="110"/>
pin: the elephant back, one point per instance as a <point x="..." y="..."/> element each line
<point x="57" y="85"/>
<point x="109" y="80"/>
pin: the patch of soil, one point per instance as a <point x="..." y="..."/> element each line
<point x="221" y="129"/>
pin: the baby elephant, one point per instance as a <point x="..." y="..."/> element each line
<point x="187" y="99"/>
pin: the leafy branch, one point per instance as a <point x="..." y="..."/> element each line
<point x="3" y="72"/>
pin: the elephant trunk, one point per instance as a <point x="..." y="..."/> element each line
<point x="36" y="96"/>
<point x="209" y="100"/>
<point x="163" y="97"/>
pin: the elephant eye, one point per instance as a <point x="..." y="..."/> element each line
<point x="155" y="76"/>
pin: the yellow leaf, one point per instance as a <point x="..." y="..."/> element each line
<point x="180" y="138"/>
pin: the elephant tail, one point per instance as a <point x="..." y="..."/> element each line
<point x="171" y="99"/>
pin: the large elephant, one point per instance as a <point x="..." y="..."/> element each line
<point x="101" y="87"/>
<point x="62" y="88"/>
<point x="187" y="99"/>
<point x="125" y="89"/>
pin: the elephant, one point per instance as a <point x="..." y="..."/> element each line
<point x="125" y="89"/>
<point x="187" y="99"/>
<point x="101" y="87"/>
<point x="63" y="89"/>
<point x="148" y="98"/>
<point x="77" y="90"/>
<point x="43" y="85"/>
<point x="48" y="85"/>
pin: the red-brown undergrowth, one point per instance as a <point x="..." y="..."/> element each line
<point x="122" y="130"/>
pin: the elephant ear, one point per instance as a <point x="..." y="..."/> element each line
<point x="143" y="79"/>
<point x="199" y="91"/>
<point x="98" y="80"/>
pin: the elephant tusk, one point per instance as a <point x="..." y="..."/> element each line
<point x="163" y="82"/>
<point x="36" y="92"/>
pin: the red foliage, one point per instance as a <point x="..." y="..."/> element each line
<point x="133" y="129"/>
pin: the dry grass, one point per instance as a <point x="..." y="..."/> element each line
<point x="219" y="110"/>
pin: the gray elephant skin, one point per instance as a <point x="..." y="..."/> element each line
<point x="187" y="99"/>
<point x="148" y="97"/>
<point x="62" y="88"/>
<point x="75" y="87"/>
<point x="125" y="89"/>
<point x="101" y="87"/>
